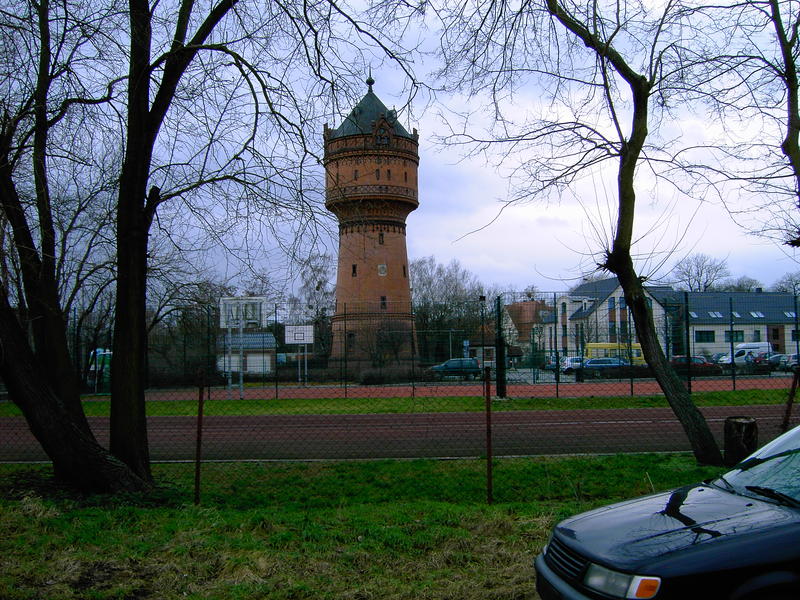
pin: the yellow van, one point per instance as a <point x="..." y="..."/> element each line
<point x="630" y="352"/>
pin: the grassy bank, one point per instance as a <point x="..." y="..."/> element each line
<point x="99" y="406"/>
<point x="358" y="530"/>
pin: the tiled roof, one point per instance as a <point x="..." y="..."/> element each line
<point x="361" y="119"/>
<point x="525" y="314"/>
<point x="596" y="289"/>
<point x="759" y="308"/>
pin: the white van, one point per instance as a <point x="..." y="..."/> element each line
<point x="740" y="353"/>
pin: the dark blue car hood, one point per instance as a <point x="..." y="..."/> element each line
<point x="652" y="530"/>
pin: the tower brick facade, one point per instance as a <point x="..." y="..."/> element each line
<point x="371" y="165"/>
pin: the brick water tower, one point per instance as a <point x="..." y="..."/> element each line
<point x="371" y="166"/>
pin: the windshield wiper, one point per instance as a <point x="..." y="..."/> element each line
<point x="715" y="482"/>
<point x="758" y="460"/>
<point x="782" y="498"/>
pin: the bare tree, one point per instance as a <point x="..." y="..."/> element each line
<point x="173" y="69"/>
<point x="739" y="284"/>
<point x="748" y="77"/>
<point x="699" y="272"/>
<point x="609" y="76"/>
<point x="210" y="135"/>
<point x="788" y="283"/>
<point x="446" y="303"/>
<point x="52" y="186"/>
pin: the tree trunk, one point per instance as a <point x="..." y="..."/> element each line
<point x="48" y="326"/>
<point x="77" y="457"/>
<point x="691" y="419"/>
<point x="128" y="361"/>
<point x="128" y="366"/>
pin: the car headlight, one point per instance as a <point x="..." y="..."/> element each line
<point x="619" y="584"/>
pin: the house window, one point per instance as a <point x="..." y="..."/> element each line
<point x="622" y="302"/>
<point x="623" y="328"/>
<point x="795" y="337"/>
<point x="611" y="303"/>
<point x="355" y="271"/>
<point x="776" y="333"/>
<point x="738" y="336"/>
<point x="757" y="335"/>
<point x="704" y="337"/>
<point x="564" y="330"/>
<point x="383" y="302"/>
<point x="612" y="331"/>
<point x="563" y="308"/>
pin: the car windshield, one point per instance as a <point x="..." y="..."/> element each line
<point x="773" y="472"/>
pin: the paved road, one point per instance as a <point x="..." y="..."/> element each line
<point x="409" y="435"/>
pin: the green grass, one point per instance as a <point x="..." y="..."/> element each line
<point x="355" y="530"/>
<point x="99" y="406"/>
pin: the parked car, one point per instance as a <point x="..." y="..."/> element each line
<point x="570" y="363"/>
<point x="457" y="367"/>
<point x="741" y="352"/>
<point x="699" y="366"/>
<point x="550" y="364"/>
<point x="776" y="361"/>
<point x="730" y="538"/>
<point x="717" y="356"/>
<point x="595" y="367"/>
<point x="790" y="363"/>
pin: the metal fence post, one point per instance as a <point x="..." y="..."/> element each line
<point x="796" y="333"/>
<point x="687" y="336"/>
<point x="555" y="343"/>
<point x="500" y="350"/>
<point x="733" y="359"/>
<point x="345" y="349"/>
<point x="487" y="393"/>
<point x="199" y="439"/>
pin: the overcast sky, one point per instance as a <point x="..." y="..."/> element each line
<point x="551" y="244"/>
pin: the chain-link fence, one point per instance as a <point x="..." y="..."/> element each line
<point x="566" y="375"/>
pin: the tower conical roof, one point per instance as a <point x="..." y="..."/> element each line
<point x="361" y="119"/>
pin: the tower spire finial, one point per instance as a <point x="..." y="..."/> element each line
<point x="370" y="80"/>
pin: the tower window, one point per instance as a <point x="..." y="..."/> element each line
<point x="355" y="270"/>
<point x="351" y="341"/>
<point x="355" y="174"/>
<point x="380" y="238"/>
<point x="378" y="174"/>
<point x="383" y="302"/>
<point x="389" y="174"/>
<point x="405" y="273"/>
<point x="405" y="176"/>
